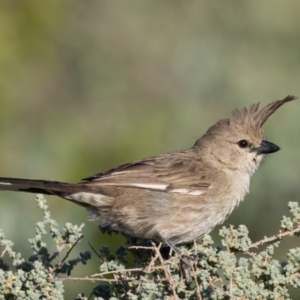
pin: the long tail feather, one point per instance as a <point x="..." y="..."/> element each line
<point x="37" y="186"/>
<point x="80" y="193"/>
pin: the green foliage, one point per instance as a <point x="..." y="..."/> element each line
<point x="37" y="277"/>
<point x="230" y="272"/>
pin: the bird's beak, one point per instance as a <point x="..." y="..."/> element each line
<point x="266" y="148"/>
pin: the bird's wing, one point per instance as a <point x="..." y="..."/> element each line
<point x="180" y="172"/>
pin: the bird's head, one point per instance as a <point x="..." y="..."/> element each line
<point x="237" y="144"/>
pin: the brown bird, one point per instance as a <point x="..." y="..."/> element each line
<point x="175" y="197"/>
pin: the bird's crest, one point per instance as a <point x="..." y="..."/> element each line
<point x="253" y="118"/>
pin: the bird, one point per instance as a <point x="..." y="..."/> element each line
<point x="177" y="197"/>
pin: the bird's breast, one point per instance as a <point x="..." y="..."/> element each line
<point x="236" y="193"/>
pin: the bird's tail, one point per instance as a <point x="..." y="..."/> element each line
<point x="81" y="194"/>
<point x="47" y="187"/>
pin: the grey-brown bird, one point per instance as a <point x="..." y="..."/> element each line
<point x="175" y="197"/>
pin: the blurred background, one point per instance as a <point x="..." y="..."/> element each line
<point x="88" y="85"/>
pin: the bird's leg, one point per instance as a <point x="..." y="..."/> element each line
<point x="185" y="263"/>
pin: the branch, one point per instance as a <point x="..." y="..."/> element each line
<point x="274" y="237"/>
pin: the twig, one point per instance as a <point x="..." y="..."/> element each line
<point x="141" y="247"/>
<point x="72" y="247"/>
<point x="87" y="279"/>
<point x="274" y="237"/>
<point x="166" y="272"/>
<point x="4" y="251"/>
<point x="118" y="271"/>
<point x="149" y="267"/>
<point x="198" y="292"/>
<point x="94" y="250"/>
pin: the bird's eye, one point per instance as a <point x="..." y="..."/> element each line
<point x="243" y="143"/>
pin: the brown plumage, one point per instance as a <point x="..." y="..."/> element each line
<point x="175" y="197"/>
